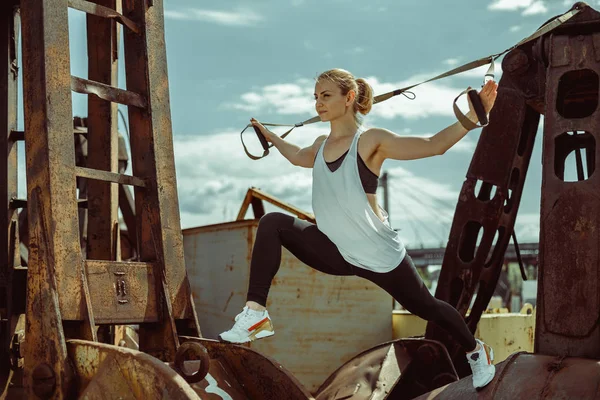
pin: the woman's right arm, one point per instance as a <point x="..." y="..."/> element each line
<point x="302" y="157"/>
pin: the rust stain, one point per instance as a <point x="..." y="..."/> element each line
<point x="227" y="302"/>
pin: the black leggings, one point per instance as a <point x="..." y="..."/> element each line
<point x="311" y="246"/>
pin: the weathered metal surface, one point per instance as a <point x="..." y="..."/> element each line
<point x="569" y="278"/>
<point x="97" y="9"/>
<point x="319" y="316"/>
<point x="102" y="140"/>
<point x="109" y="177"/>
<point x="10" y="290"/>
<point x="107" y="92"/>
<point x="123" y="292"/>
<point x="55" y="264"/>
<point x="43" y="312"/>
<point x="106" y="371"/>
<point x="529" y="376"/>
<point x="219" y="383"/>
<point x="485" y="214"/>
<point x="258" y="376"/>
<point x="401" y="369"/>
<point x="157" y="205"/>
<point x="192" y="354"/>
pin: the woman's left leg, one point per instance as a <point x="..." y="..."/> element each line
<point x="407" y="287"/>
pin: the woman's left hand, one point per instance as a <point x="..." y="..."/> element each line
<point x="487" y="95"/>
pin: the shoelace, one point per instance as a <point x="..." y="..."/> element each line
<point x="241" y="319"/>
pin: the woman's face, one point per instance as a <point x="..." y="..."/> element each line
<point x="329" y="101"/>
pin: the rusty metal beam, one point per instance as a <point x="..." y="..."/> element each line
<point x="10" y="290"/>
<point x="157" y="206"/>
<point x="107" y="92"/>
<point x="102" y="158"/>
<point x="55" y="262"/>
<point x="485" y="214"/>
<point x="96" y="9"/>
<point x="114" y="177"/>
<point x="253" y="194"/>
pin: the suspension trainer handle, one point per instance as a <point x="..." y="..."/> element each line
<point x="478" y="106"/>
<point x="261" y="137"/>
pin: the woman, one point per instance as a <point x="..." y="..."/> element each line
<point x="352" y="235"/>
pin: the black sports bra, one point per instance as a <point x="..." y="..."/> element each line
<point x="369" y="180"/>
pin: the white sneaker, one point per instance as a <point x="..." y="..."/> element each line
<point x="249" y="326"/>
<point x="481" y="365"/>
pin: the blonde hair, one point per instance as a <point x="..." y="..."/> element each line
<point x="363" y="101"/>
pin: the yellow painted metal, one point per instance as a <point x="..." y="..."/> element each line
<point x="506" y="333"/>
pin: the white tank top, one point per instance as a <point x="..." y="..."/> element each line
<point x="343" y="213"/>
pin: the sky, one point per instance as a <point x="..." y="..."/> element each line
<point x="230" y="61"/>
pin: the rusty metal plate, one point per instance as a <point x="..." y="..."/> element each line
<point x="220" y="383"/>
<point x="261" y="377"/>
<point x="122" y="292"/>
<point x="118" y="372"/>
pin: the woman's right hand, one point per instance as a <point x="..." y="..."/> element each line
<point x="266" y="133"/>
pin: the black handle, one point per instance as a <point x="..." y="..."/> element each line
<point x="478" y="106"/>
<point x="261" y="137"/>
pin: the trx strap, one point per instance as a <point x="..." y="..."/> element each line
<point x="466" y="122"/>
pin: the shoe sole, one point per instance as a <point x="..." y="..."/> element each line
<point x="251" y="338"/>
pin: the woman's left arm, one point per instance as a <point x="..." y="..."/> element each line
<point x="397" y="147"/>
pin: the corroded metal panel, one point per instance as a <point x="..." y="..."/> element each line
<point x="259" y="377"/>
<point x="530" y="376"/>
<point x="106" y="371"/>
<point x="569" y="278"/>
<point x="320" y="321"/>
<point x="122" y="292"/>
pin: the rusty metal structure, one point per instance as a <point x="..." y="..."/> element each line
<point x="557" y="76"/>
<point x="54" y="309"/>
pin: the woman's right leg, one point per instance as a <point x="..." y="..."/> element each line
<point x="303" y="239"/>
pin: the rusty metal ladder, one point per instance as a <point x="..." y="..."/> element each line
<point x="69" y="296"/>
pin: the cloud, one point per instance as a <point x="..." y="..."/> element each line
<point x="529" y="7"/>
<point x="515" y="28"/>
<point x="537" y="7"/>
<point x="213" y="174"/>
<point x="527" y="227"/>
<point x="240" y="17"/>
<point x="281" y="98"/>
<point x="452" y="61"/>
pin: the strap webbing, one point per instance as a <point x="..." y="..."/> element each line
<point x="466" y="122"/>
